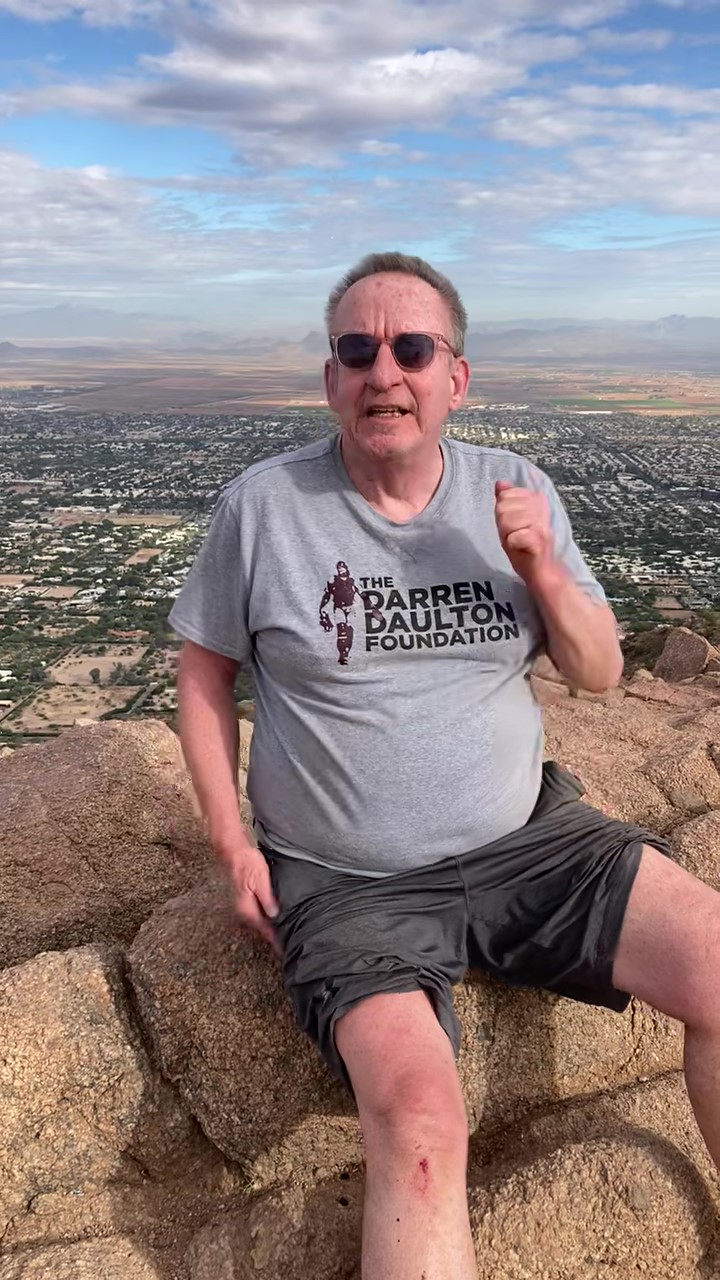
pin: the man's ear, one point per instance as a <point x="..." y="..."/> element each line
<point x="330" y="381"/>
<point x="459" y="382"/>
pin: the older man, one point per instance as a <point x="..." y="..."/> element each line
<point x="406" y="823"/>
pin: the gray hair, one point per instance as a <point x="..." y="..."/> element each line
<point x="374" y="264"/>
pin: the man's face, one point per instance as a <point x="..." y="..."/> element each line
<point x="385" y="306"/>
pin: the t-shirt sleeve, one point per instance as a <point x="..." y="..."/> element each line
<point x="212" y="607"/>
<point x="566" y="548"/>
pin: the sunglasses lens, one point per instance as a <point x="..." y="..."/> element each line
<point x="357" y="350"/>
<point x="413" y="351"/>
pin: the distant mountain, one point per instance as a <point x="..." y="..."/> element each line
<point x="315" y="343"/>
<point x="10" y="352"/>
<point x="67" y="321"/>
<point x="693" y="342"/>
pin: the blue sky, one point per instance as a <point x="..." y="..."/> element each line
<point x="219" y="164"/>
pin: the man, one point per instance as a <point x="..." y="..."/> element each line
<point x="407" y="826"/>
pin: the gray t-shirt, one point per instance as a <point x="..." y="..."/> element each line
<point x="395" y="723"/>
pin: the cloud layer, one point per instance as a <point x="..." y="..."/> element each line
<point x="490" y="142"/>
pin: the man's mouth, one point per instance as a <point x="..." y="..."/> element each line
<point x="387" y="411"/>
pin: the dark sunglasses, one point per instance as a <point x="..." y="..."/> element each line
<point x="411" y="351"/>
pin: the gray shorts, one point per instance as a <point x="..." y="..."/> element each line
<point x="542" y="907"/>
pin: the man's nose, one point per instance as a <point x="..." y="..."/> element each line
<point x="385" y="372"/>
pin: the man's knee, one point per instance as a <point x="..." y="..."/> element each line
<point x="415" y="1109"/>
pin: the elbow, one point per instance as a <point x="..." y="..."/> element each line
<point x="603" y="677"/>
<point x="199" y="666"/>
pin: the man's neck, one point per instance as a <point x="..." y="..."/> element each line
<point x="398" y="488"/>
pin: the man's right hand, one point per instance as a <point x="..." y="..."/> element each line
<point x="254" y="899"/>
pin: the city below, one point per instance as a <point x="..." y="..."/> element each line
<point x="104" y="512"/>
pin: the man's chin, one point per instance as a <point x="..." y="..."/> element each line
<point x="384" y="436"/>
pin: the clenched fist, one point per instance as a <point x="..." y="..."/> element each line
<point x="523" y="522"/>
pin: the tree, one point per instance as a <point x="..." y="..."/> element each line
<point x="95" y="675"/>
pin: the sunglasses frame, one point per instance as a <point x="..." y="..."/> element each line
<point x="437" y="339"/>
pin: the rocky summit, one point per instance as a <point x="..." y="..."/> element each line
<point x="163" y="1119"/>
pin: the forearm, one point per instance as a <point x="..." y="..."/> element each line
<point x="581" y="632"/>
<point x="209" y="738"/>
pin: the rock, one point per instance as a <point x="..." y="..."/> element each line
<point x="685" y="654"/>
<point x="83" y="1110"/>
<point x="698" y="848"/>
<point x="605" y="747"/>
<point x="685" y="767"/>
<point x="712" y="665"/>
<point x="6" y="752"/>
<point x="245" y="732"/>
<point x="619" y="1181"/>
<point x="606" y="696"/>
<point x="116" y="1259"/>
<point x="603" y="1206"/>
<point x="544" y="1049"/>
<point x="688" y="696"/>
<point x="710" y="680"/>
<point x="98" y="828"/>
<point x="548" y="691"/>
<point x="544" y="668"/>
<point x="211" y="1001"/>
<point x="289" y="1235"/>
<point x="654" y="1116"/>
<point x="641" y="676"/>
<point x="687" y="802"/>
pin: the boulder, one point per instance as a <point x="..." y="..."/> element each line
<point x="211" y="1001"/>
<point x="641" y="676"/>
<point x="287" y="1235"/>
<point x="548" y="692"/>
<point x="698" y="848"/>
<point x="545" y="1049"/>
<point x="605" y="746"/>
<point x="654" y="1119"/>
<point x="685" y="767"/>
<point x="545" y="669"/>
<point x="209" y="994"/>
<point x="684" y="655"/>
<point x="99" y="826"/>
<point x="116" y="1259"/>
<point x="618" y="1183"/>
<point x="83" y="1109"/>
<point x="712" y="666"/>
<point x="596" y="1207"/>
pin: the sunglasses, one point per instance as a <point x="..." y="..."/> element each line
<point x="411" y="351"/>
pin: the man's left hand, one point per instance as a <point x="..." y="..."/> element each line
<point x="523" y="522"/>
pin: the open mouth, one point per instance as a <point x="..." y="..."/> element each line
<point x="387" y="411"/>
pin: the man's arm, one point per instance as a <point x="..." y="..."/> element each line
<point x="209" y="738"/>
<point x="582" y="635"/>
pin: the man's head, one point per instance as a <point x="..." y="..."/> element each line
<point x="392" y="399"/>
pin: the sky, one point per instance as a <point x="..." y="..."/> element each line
<point x="219" y="164"/>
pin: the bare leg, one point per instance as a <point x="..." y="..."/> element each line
<point x="669" y="956"/>
<point x="415" y="1131"/>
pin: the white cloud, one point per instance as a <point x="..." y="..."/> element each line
<point x="648" y="97"/>
<point x="291" y="82"/>
<point x="97" y="13"/>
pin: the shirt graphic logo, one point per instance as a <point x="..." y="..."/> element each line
<point x="440" y="616"/>
<point x="342" y="591"/>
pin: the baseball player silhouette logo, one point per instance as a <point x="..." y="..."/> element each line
<point x="343" y="592"/>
